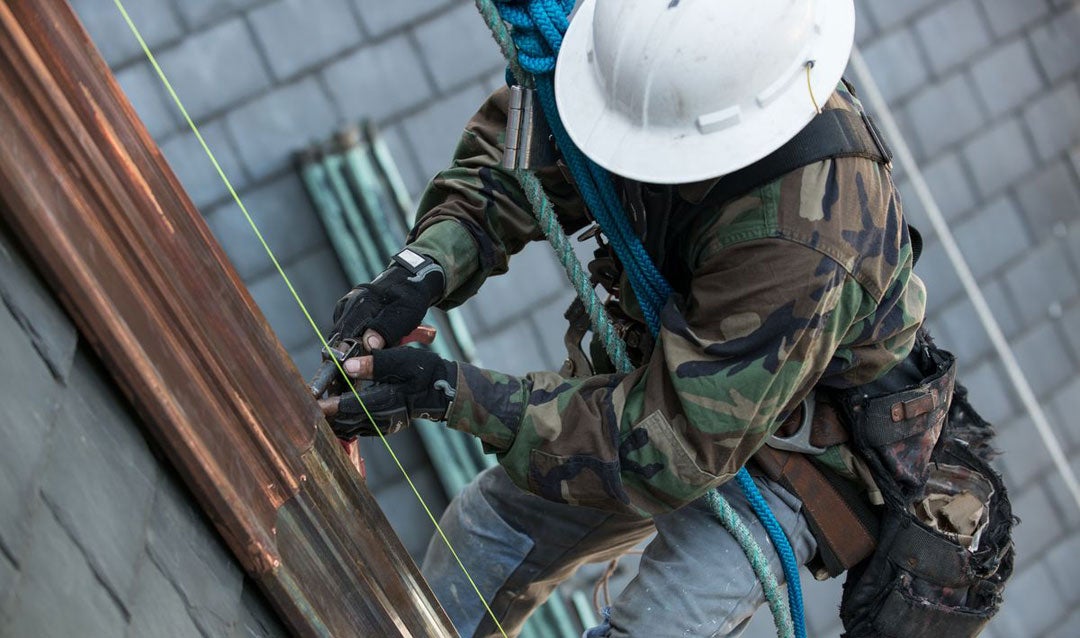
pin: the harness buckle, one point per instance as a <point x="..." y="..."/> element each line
<point x="800" y="440"/>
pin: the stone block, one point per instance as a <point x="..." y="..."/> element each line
<point x="457" y="46"/>
<point x="318" y="280"/>
<point x="193" y="167"/>
<point x="406" y="516"/>
<point x="967" y="338"/>
<point x="157" y="610"/>
<point x="197" y="13"/>
<point x="1051" y="119"/>
<point x="1032" y="604"/>
<point x="1050" y="199"/>
<point x="937" y="272"/>
<point x="379" y="80"/>
<point x="155" y="19"/>
<point x="379" y="16"/>
<point x="1023" y="458"/>
<point x="534" y="275"/>
<point x="889" y="14"/>
<point x="270" y="129"/>
<point x="865" y="27"/>
<point x="950" y="186"/>
<point x="214" y="69"/>
<point x="100" y="476"/>
<point x="1041" y="525"/>
<point x="33" y="307"/>
<point x="1072" y="318"/>
<point x="1007" y="77"/>
<point x="1063" y="498"/>
<point x="991" y="393"/>
<point x="1066" y="628"/>
<point x="9" y="577"/>
<point x="1071" y="234"/>
<point x="285" y="219"/>
<point x="992" y="238"/>
<point x="515" y="349"/>
<point x="952" y="34"/>
<point x="30" y="399"/>
<point x="999" y="157"/>
<point x="433" y="133"/>
<point x="1055" y="43"/>
<point x="943" y="114"/>
<point x="1064" y="414"/>
<point x="405" y="162"/>
<point x="298" y="34"/>
<point x="897" y="64"/>
<point x="1041" y="359"/>
<point x="58" y="593"/>
<point x="1042" y="280"/>
<point x="1064" y="563"/>
<point x="1008" y="16"/>
<point x="144" y="90"/>
<point x="306" y="357"/>
<point x="187" y="550"/>
<point x="257" y="619"/>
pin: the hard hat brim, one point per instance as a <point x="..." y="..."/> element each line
<point x="673" y="155"/>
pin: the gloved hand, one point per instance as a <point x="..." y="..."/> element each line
<point x="409" y="383"/>
<point x="392" y="305"/>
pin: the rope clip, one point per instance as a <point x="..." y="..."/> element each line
<point x="528" y="138"/>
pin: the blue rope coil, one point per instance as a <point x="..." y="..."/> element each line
<point x="537" y="31"/>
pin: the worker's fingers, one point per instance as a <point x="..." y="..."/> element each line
<point x="373" y="340"/>
<point x="329" y="405"/>
<point x="359" y="367"/>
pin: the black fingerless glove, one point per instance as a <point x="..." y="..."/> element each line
<point x="409" y="383"/>
<point x="394" y="303"/>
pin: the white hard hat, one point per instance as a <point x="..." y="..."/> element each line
<point x="677" y="91"/>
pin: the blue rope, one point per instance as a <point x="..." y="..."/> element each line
<point x="537" y="32"/>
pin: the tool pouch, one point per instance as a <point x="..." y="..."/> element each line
<point x="944" y="547"/>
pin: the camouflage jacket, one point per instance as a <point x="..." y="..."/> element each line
<point x="803" y="282"/>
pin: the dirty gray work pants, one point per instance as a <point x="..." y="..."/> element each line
<point x="694" y="579"/>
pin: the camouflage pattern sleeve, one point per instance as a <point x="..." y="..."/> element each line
<point x="730" y="360"/>
<point x="473" y="216"/>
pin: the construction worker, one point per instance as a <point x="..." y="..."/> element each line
<point x="799" y="283"/>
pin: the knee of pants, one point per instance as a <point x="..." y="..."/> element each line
<point x="489" y="548"/>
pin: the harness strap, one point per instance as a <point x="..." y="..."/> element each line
<point x="841" y="521"/>
<point x="831" y="134"/>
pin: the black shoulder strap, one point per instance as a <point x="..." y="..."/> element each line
<point x="831" y="134"/>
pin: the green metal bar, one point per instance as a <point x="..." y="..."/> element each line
<point x="390" y="174"/>
<point x="583" y="606"/>
<point x="313" y="175"/>
<point x="560" y="614"/>
<point x="373" y="197"/>
<point x="352" y="216"/>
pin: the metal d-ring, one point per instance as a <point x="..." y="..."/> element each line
<point x="800" y="440"/>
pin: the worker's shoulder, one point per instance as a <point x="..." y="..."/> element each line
<point x="844" y="208"/>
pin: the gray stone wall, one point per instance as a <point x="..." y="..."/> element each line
<point x="98" y="537"/>
<point x="986" y="92"/>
